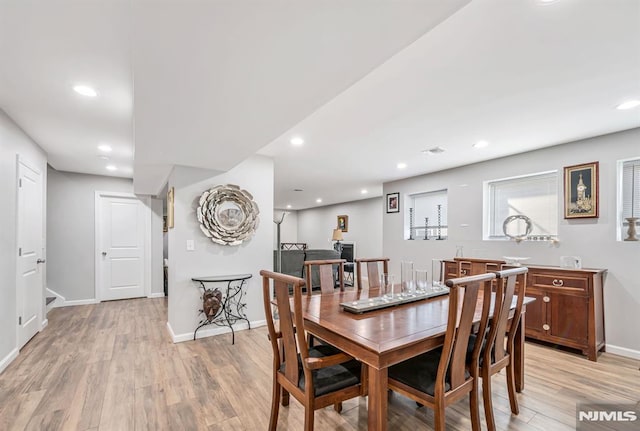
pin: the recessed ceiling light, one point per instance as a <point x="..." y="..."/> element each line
<point x="85" y="90"/>
<point x="364" y="191"/>
<point x="111" y="168"/>
<point x="297" y="141"/>
<point x="401" y="165"/>
<point x="629" y="104"/>
<point x="547" y="1"/>
<point x="481" y="144"/>
<point x="434" y="150"/>
<point x="289" y="206"/>
<point x="105" y="148"/>
<point x="319" y="200"/>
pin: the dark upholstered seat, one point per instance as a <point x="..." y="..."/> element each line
<point x="420" y="372"/>
<point x="333" y="378"/>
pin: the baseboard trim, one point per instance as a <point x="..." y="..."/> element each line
<point x="78" y="302"/>
<point x="212" y="331"/>
<point x="45" y="323"/>
<point x="156" y="295"/>
<point x="623" y="351"/>
<point x="4" y="363"/>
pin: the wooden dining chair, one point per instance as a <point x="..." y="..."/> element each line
<point x="373" y="274"/>
<point x="498" y="355"/>
<point x="442" y="376"/>
<point x="318" y="376"/>
<point x="324" y="269"/>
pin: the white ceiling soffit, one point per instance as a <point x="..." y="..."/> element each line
<point x="216" y="81"/>
<point x="47" y="47"/>
<point x="520" y="74"/>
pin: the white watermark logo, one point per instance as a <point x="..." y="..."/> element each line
<point x="604" y="416"/>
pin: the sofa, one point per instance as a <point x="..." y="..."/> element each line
<point x="293" y="262"/>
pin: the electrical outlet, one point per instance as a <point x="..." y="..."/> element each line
<point x="191" y="245"/>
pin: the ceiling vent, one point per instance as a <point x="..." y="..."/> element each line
<point x="434" y="150"/>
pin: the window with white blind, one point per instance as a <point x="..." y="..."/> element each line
<point x="426" y="216"/>
<point x="534" y="196"/>
<point x="629" y="204"/>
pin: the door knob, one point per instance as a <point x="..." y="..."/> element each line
<point x="104" y="253"/>
<point x="41" y="261"/>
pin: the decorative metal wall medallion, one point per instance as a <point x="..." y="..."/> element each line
<point x="227" y="214"/>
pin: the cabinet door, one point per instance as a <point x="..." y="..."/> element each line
<point x="536" y="315"/>
<point x="568" y="318"/>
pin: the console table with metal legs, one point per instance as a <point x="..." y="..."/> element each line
<point x="231" y="307"/>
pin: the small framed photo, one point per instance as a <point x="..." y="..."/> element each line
<point x="581" y="191"/>
<point x="343" y="223"/>
<point x="393" y="202"/>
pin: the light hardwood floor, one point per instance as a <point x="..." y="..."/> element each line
<point x="112" y="366"/>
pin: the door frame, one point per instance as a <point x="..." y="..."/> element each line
<point x="19" y="301"/>
<point x="146" y="200"/>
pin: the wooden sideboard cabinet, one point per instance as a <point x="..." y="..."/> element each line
<point x="568" y="310"/>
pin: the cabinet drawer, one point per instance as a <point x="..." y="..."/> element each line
<point x="563" y="281"/>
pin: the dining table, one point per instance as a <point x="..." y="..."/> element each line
<point x="387" y="336"/>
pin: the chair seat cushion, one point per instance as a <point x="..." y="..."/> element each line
<point x="420" y="372"/>
<point x="329" y="379"/>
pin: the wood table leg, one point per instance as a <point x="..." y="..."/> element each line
<point x="377" y="399"/>
<point x="518" y="353"/>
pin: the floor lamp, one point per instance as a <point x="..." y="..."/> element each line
<point x="279" y="250"/>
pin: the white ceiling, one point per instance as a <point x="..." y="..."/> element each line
<point x="367" y="83"/>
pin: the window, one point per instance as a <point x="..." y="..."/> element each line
<point x="427" y="216"/>
<point x="535" y="196"/>
<point x="629" y="197"/>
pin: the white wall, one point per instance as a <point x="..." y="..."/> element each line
<point x="592" y="239"/>
<point x="254" y="175"/>
<point x="316" y="225"/>
<point x="13" y="141"/>
<point x="71" y="231"/>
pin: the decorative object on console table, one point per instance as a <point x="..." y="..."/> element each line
<point x="219" y="309"/>
<point x="227" y="214"/>
<point x="343" y="223"/>
<point x="393" y="202"/>
<point x="581" y="191"/>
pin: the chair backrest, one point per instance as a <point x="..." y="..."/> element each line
<point x="464" y="293"/>
<point x="373" y="274"/>
<point x="504" y="293"/>
<point x="325" y="269"/>
<point x="293" y="342"/>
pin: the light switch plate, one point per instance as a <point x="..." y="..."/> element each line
<point x="191" y="245"/>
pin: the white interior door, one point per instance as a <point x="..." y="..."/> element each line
<point x="30" y="252"/>
<point x="120" y="231"/>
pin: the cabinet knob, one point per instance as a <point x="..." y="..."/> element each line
<point x="557" y="283"/>
<point x="546" y="299"/>
<point x="463" y="272"/>
<point x="546" y="327"/>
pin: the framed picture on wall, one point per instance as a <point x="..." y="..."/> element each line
<point x="393" y="202"/>
<point x="581" y="191"/>
<point x="343" y="223"/>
